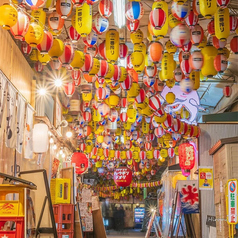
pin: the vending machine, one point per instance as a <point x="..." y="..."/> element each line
<point x="139" y="214"/>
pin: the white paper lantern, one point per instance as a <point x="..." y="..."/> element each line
<point x="40" y="138"/>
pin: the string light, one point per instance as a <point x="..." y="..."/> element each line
<point x="69" y="134"/>
<point x="54" y="146"/>
<point x="51" y="140"/>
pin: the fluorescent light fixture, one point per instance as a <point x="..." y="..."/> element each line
<point x="119" y="13"/>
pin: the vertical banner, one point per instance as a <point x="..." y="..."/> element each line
<point x="205" y="178"/>
<point x="3" y="99"/>
<point x="188" y="191"/>
<point x="21" y="110"/>
<point x="10" y="131"/>
<point x="28" y="133"/>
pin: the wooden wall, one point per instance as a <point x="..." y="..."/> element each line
<point x="210" y="134"/>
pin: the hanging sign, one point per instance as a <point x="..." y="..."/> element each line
<point x="205" y="178"/>
<point x="231" y="201"/>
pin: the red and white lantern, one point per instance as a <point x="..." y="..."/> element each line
<point x="126" y="85"/>
<point x="134" y="11"/>
<point x="123" y="103"/>
<point x="102" y="50"/>
<point x="123" y="50"/>
<point x="64" y="8"/>
<point x="233" y="23"/>
<point x="211" y="27"/>
<point x="103" y="69"/>
<point x="105" y="8"/>
<point x="223" y="3"/>
<point x="154" y="103"/>
<point x="46" y="43"/>
<point x="192" y="19"/>
<point x="234" y="44"/>
<point x="122" y="176"/>
<point x="90" y="39"/>
<point x="101" y="93"/>
<point x="220" y="63"/>
<point x="157" y="18"/>
<point x="38" y="66"/>
<point x="171" y="152"/>
<point x="56" y="23"/>
<point x="87" y="116"/>
<point x="180" y="35"/>
<point x="197" y="34"/>
<point x="76" y="76"/>
<point x="73" y="34"/>
<point x="151" y="71"/>
<point x="218" y="43"/>
<point x="69" y="89"/>
<point x="100" y="24"/>
<point x="25" y="48"/>
<point x="185" y="67"/>
<point x="88" y="64"/>
<point x="178" y="74"/>
<point x="227" y="91"/>
<point x="67" y="55"/>
<point x="141" y="97"/>
<point x="123" y="117"/>
<point x="180" y="11"/>
<point x="142" y="155"/>
<point x="78" y="3"/>
<point x="132" y="26"/>
<point x="186" y="156"/>
<point x="159" y="132"/>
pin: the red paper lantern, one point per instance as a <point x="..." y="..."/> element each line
<point x="234" y="44"/>
<point x="103" y="69"/>
<point x="123" y="117"/>
<point x="46" y="43"/>
<point x="132" y="26"/>
<point x="55" y="22"/>
<point x="82" y="147"/>
<point x="25" y="48"/>
<point x="126" y="85"/>
<point x="123" y="51"/>
<point x="88" y="64"/>
<point x="187" y="48"/>
<point x="38" y="66"/>
<point x="233" y="23"/>
<point x="218" y="43"/>
<point x="73" y="34"/>
<point x="101" y="93"/>
<point x="185" y="67"/>
<point x="157" y="18"/>
<point x="69" y="89"/>
<point x="186" y="156"/>
<point x="171" y="152"/>
<point x="142" y="155"/>
<point x="211" y="28"/>
<point x="81" y="162"/>
<point x="192" y="19"/>
<point x="154" y="103"/>
<point x="122" y="176"/>
<point x="67" y="55"/>
<point x="123" y="102"/>
<point x="223" y="3"/>
<point x="141" y="97"/>
<point x="197" y="34"/>
<point x="105" y="8"/>
<point x="78" y="3"/>
<point x="227" y="91"/>
<point x="102" y="50"/>
<point x="220" y="63"/>
<point x="76" y="76"/>
<point x="87" y="116"/>
<point x="196" y="60"/>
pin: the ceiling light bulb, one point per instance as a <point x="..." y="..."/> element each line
<point x="61" y="152"/>
<point x="69" y="134"/>
<point x="63" y="155"/>
<point x="51" y="140"/>
<point x="58" y="82"/>
<point x="54" y="146"/>
<point x="42" y="91"/>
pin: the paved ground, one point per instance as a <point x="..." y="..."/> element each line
<point x="125" y="234"/>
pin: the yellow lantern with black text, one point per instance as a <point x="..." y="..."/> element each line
<point x="164" y="153"/>
<point x="87" y="97"/>
<point x="160" y="119"/>
<point x="134" y="90"/>
<point x="123" y="74"/>
<point x="145" y="127"/>
<point x="203" y="43"/>
<point x="114" y="100"/>
<point x="83" y="19"/>
<point x="207" y="7"/>
<point x="222" y="23"/>
<point x="110" y="71"/>
<point x="112" y="45"/>
<point x="140" y="68"/>
<point x="57" y="49"/>
<point x="34" y="55"/>
<point x="209" y="53"/>
<point x="140" y="48"/>
<point x="95" y="68"/>
<point x="8" y="16"/>
<point x="137" y="37"/>
<point x="137" y="58"/>
<point x="43" y="58"/>
<point x="34" y="35"/>
<point x="38" y="15"/>
<point x="171" y="48"/>
<point x="78" y="60"/>
<point x="167" y="66"/>
<point x="195" y="77"/>
<point x="173" y="21"/>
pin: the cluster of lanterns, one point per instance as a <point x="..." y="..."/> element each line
<point x="134" y="129"/>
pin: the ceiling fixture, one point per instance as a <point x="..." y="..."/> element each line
<point x="119" y="13"/>
<point x="58" y="82"/>
<point x="69" y="134"/>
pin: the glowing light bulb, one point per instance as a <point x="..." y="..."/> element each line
<point x="42" y="91"/>
<point x="58" y="82"/>
<point x="54" y="146"/>
<point x="69" y="134"/>
<point x="51" y="140"/>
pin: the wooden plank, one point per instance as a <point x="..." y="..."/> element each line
<point x="222" y="142"/>
<point x="98" y="227"/>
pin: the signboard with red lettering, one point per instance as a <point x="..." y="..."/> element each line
<point x="231" y="201"/>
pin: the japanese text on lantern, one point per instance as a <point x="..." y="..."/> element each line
<point x="112" y="43"/>
<point x="189" y="155"/>
<point x="121" y="174"/>
<point x="80" y="18"/>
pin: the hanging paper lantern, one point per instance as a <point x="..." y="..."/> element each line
<point x="187" y="48"/>
<point x="57" y="49"/>
<point x="197" y="35"/>
<point x="192" y="19"/>
<point x="137" y="58"/>
<point x="55" y="64"/>
<point x="218" y="43"/>
<point x="69" y="89"/>
<point x="154" y="103"/>
<point x="178" y="74"/>
<point x="220" y="63"/>
<point x="56" y="23"/>
<point x="95" y="67"/>
<point x="123" y="50"/>
<point x="35" y="4"/>
<point x="186" y="156"/>
<point x="73" y="34"/>
<point x="112" y="45"/>
<point x="171" y="48"/>
<point x="227" y="91"/>
<point x="203" y="43"/>
<point x="208" y="8"/>
<point x="103" y="109"/>
<point x="233" y="23"/>
<point x="91" y="2"/>
<point x="196" y="7"/>
<point x="90" y="39"/>
<point x="180" y="35"/>
<point x="87" y="116"/>
<point x="117" y="73"/>
<point x="126" y="85"/>
<point x="81" y="162"/>
<point x="88" y="64"/>
<point x="234" y="44"/>
<point x="34" y="35"/>
<point x="176" y="125"/>
<point x="100" y="24"/>
<point x="25" y="48"/>
<point x="186" y="85"/>
<point x="113" y="115"/>
<point x="83" y="21"/>
<point x="38" y="67"/>
<point x="171" y="152"/>
<point x="185" y="67"/>
<point x="132" y="26"/>
<point x="21" y="27"/>
<point x="137" y="37"/>
<point x="102" y="49"/>
<point x="64" y="8"/>
<point x="167" y="66"/>
<point x="78" y="60"/>
<point x="180" y="11"/>
<point x="122" y="176"/>
<point x="222" y="23"/>
<point x="148" y="81"/>
<point x="43" y="58"/>
<point x="223" y="3"/>
<point x="211" y="27"/>
<point x="76" y="76"/>
<point x="105" y="8"/>
<point x="195" y="77"/>
<point x="209" y="53"/>
<point x="157" y="18"/>
<point x="40" y="138"/>
<point x="46" y="43"/>
<point x="67" y="55"/>
<point x="101" y="93"/>
<point x="155" y="51"/>
<point x="103" y="68"/>
<point x="151" y="71"/>
<point x="159" y="132"/>
<point x="141" y="97"/>
<point x="134" y="11"/>
<point x="123" y="103"/>
<point x="123" y="117"/>
<point x="196" y="60"/>
<point x="78" y="3"/>
<point x="173" y="21"/>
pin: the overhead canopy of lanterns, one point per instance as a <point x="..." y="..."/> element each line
<point x="118" y="119"/>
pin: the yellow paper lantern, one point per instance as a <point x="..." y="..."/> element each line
<point x="112" y="45"/>
<point x="164" y="153"/>
<point x="203" y="43"/>
<point x="145" y="127"/>
<point x="137" y="58"/>
<point x="173" y="21"/>
<point x="43" y="58"/>
<point x="114" y="100"/>
<point x="127" y="125"/>
<point x="209" y="53"/>
<point x="57" y="49"/>
<point x="140" y="68"/>
<point x="170" y="83"/>
<point x="123" y="154"/>
<point x="95" y="68"/>
<point x="87" y="97"/>
<point x="38" y="15"/>
<point x="78" y="60"/>
<point x="8" y="16"/>
<point x="34" y="35"/>
<point x="167" y="66"/>
<point x="171" y="48"/>
<point x="123" y="74"/>
<point x="207" y="7"/>
<point x="222" y="23"/>
<point x="176" y="178"/>
<point x="195" y="76"/>
<point x="149" y="154"/>
<point x="137" y="37"/>
<point x="170" y="97"/>
<point x="34" y="55"/>
<point x="140" y="48"/>
<point x="47" y="5"/>
<point x="162" y="159"/>
<point x="98" y="164"/>
<point x="134" y="90"/>
<point x="148" y="62"/>
<point x="160" y="119"/>
<point x="83" y="19"/>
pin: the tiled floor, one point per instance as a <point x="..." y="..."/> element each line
<point x="125" y="234"/>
